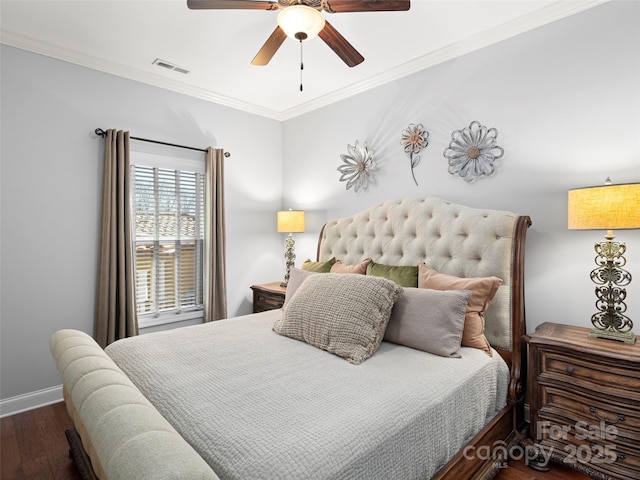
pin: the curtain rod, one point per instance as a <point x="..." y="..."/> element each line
<point x="101" y="133"/>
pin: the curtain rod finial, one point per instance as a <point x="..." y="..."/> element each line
<point x="100" y="132"/>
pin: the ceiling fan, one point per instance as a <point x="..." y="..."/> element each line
<point x="303" y="20"/>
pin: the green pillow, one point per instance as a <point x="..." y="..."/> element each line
<point x="319" y="267"/>
<point x="405" y="276"/>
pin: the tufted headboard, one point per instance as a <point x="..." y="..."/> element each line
<point x="453" y="239"/>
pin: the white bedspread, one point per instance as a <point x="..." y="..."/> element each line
<point x="259" y="406"/>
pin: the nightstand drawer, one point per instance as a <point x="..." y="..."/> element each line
<point x="588" y="418"/>
<point x="593" y="408"/>
<point x="593" y="376"/>
<point x="575" y="440"/>
<point x="267" y="301"/>
<point x="608" y="459"/>
<point x="268" y="296"/>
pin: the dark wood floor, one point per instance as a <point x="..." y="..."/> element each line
<point x="33" y="446"/>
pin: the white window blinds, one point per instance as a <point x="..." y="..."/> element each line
<point x="168" y="206"/>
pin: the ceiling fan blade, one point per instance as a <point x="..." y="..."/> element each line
<point x="270" y="47"/>
<point x="335" y="6"/>
<point x="231" y="5"/>
<point x="339" y="44"/>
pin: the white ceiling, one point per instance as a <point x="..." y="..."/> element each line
<point x="124" y="37"/>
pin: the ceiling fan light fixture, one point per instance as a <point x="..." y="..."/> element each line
<point x="301" y="22"/>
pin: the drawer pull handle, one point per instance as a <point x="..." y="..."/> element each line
<point x="594" y="410"/>
<point x="570" y="370"/>
<point x="606" y="453"/>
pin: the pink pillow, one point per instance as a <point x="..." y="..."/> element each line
<point x="359" y="268"/>
<point x="483" y="289"/>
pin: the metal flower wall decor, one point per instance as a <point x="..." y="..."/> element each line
<point x="473" y="151"/>
<point x="357" y="166"/>
<point x="414" y="139"/>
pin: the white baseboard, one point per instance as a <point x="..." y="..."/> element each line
<point x="29" y="401"/>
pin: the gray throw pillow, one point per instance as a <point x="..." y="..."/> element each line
<point x="344" y="314"/>
<point x="296" y="277"/>
<point x="429" y="320"/>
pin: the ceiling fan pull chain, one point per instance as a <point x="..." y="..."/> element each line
<point x="301" y="65"/>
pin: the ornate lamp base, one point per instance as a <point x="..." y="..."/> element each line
<point x="626" y="337"/>
<point x="290" y="258"/>
<point x="610" y="321"/>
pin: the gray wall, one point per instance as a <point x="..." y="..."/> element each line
<point x="51" y="173"/>
<point x="565" y="99"/>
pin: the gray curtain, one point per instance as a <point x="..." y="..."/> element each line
<point x="115" y="303"/>
<point x="215" y="283"/>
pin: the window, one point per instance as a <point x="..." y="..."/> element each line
<point x="168" y="237"/>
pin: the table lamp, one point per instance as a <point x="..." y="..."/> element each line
<point x="608" y="207"/>
<point x="290" y="221"/>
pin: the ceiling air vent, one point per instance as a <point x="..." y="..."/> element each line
<point x="170" y="66"/>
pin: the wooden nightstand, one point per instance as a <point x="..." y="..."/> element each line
<point x="267" y="296"/>
<point x="585" y="401"/>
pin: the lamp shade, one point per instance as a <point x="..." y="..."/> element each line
<point x="291" y="221"/>
<point x="298" y="19"/>
<point x="607" y="207"/>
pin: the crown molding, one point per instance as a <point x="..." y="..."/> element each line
<point x="131" y="73"/>
<point x="538" y="18"/>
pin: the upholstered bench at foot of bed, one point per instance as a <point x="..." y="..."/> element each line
<point x="129" y="437"/>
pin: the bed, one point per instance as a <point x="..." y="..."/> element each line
<point x="245" y="398"/>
